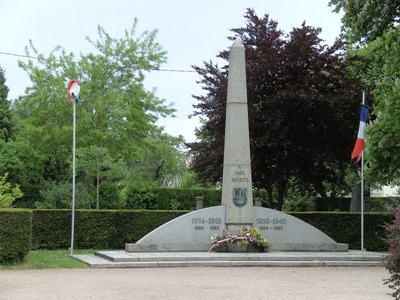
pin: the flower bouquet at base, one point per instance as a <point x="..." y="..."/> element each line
<point x="247" y="240"/>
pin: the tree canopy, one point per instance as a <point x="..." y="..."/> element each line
<point x="372" y="26"/>
<point x="380" y="70"/>
<point x="365" y="20"/>
<point x="114" y="105"/>
<point x="116" y="119"/>
<point x="5" y="112"/>
<point x="303" y="110"/>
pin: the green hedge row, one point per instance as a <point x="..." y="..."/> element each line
<point x="95" y="229"/>
<point x="111" y="229"/>
<point x="15" y="235"/>
<point x="185" y="199"/>
<point x="345" y="227"/>
<point x="22" y="230"/>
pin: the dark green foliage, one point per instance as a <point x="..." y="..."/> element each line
<point x="345" y="227"/>
<point x="51" y="229"/>
<point x="95" y="229"/>
<point x="15" y="235"/>
<point x="140" y="198"/>
<point x="5" y="112"/>
<point x="185" y="199"/>
<point x="109" y="196"/>
<point x="58" y="195"/>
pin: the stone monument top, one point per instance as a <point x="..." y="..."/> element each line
<point x="236" y="181"/>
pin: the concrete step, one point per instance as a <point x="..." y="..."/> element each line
<point x="122" y="259"/>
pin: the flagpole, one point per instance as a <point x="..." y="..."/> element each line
<point x="362" y="189"/>
<point x="73" y="175"/>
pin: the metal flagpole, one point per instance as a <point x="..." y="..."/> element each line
<point x="362" y="188"/>
<point x="73" y="174"/>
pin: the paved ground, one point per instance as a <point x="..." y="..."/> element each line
<point x="231" y="283"/>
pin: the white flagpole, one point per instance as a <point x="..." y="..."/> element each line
<point x="362" y="188"/>
<point x="73" y="174"/>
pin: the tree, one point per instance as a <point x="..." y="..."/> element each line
<point x="165" y="157"/>
<point x="95" y="162"/>
<point x="8" y="194"/>
<point x="374" y="26"/>
<point x="25" y="168"/>
<point x="366" y="20"/>
<point x="381" y="73"/>
<point x="115" y="111"/>
<point x="303" y="110"/>
<point x="5" y="112"/>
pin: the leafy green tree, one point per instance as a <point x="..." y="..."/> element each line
<point x="8" y="194"/>
<point x="164" y="157"/>
<point x="96" y="163"/>
<point x="381" y="71"/>
<point x="5" y="112"/>
<point x="115" y="111"/>
<point x="366" y="20"/>
<point x="303" y="111"/>
<point x="25" y="167"/>
<point x="59" y="195"/>
<point x="374" y="26"/>
<point x="116" y="115"/>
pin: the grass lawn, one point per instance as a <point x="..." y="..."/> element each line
<point x="49" y="259"/>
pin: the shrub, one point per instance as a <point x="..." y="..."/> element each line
<point x="15" y="235"/>
<point x="7" y="193"/>
<point x="59" y="195"/>
<point x="393" y="259"/>
<point x="140" y="198"/>
<point x="109" y="196"/>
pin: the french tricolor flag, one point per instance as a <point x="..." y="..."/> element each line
<point x="359" y="146"/>
<point x="74" y="89"/>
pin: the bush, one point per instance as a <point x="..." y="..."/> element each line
<point x="393" y="260"/>
<point x="59" y="195"/>
<point x="95" y="229"/>
<point x="140" y="198"/>
<point x="7" y="193"/>
<point x="345" y="227"/>
<point x="15" y="235"/>
<point x="109" y="196"/>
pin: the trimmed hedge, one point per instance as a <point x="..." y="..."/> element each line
<point x="95" y="229"/>
<point x="345" y="227"/>
<point x="15" y="235"/>
<point x="111" y="229"/>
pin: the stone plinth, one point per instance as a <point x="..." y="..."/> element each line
<point x="192" y="232"/>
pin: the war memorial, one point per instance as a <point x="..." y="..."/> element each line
<point x="187" y="240"/>
<point x="192" y="232"/>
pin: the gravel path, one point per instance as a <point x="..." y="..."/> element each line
<point x="197" y="283"/>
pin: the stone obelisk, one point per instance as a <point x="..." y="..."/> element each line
<point x="236" y="181"/>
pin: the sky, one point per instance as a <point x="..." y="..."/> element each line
<point x="191" y="31"/>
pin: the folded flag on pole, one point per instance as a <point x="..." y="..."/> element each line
<point x="74" y="90"/>
<point x="359" y="146"/>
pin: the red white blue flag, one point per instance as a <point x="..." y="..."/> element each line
<point x="359" y="146"/>
<point x="74" y="89"/>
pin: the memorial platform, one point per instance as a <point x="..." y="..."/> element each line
<point x="123" y="259"/>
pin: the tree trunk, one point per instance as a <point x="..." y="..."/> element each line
<point x="268" y="187"/>
<point x="355" y="204"/>
<point x="98" y="182"/>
